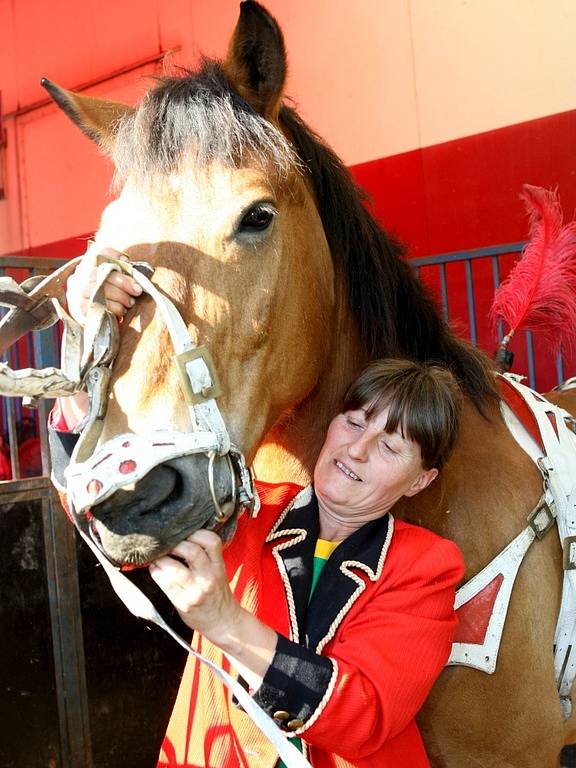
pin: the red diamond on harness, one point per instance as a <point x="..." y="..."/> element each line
<point x="126" y="467"/>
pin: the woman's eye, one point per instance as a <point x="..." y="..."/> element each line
<point x="257" y="219"/>
<point x="353" y="424"/>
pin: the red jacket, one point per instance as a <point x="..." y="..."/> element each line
<point x="352" y="668"/>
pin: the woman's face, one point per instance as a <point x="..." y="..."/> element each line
<point x="362" y="470"/>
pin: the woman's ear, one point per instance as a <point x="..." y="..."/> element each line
<point x="422" y="481"/>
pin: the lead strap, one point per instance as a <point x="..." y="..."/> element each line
<point x="139" y="605"/>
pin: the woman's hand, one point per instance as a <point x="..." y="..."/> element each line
<point x="200" y="592"/>
<point x="198" y="587"/>
<point x="120" y="290"/>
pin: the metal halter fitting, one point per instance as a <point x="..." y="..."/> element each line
<point x="87" y="358"/>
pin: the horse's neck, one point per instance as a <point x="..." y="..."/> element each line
<point x="289" y="451"/>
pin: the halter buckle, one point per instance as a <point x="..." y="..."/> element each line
<point x="542" y="518"/>
<point x="569" y="552"/>
<point x="207" y="393"/>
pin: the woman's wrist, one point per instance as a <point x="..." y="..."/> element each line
<point x="248" y="643"/>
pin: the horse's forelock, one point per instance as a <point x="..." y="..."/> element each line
<point x="199" y="114"/>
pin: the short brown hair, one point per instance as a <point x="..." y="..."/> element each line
<point x="424" y="402"/>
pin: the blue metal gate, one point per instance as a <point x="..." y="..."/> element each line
<point x="434" y="269"/>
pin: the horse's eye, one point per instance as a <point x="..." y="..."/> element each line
<point x="257" y="219"/>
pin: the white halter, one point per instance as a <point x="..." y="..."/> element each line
<point x="95" y="473"/>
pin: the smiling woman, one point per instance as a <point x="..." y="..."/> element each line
<point x="398" y="425"/>
<point x="338" y="617"/>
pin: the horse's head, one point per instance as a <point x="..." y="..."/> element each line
<point x="214" y="197"/>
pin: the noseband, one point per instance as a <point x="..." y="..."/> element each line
<point x="96" y="473"/>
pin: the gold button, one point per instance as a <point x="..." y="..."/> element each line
<point x="293" y="725"/>
<point x="281" y="715"/>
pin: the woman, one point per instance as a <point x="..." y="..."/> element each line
<point x="343" y="659"/>
<point x="337" y="617"/>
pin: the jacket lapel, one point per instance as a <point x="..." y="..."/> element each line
<point x="294" y="536"/>
<point x="358" y="558"/>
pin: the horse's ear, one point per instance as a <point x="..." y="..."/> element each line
<point x="256" y="60"/>
<point x="97" y="118"/>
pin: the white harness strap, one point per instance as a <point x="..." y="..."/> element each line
<point x="558" y="466"/>
<point x="139" y="605"/>
<point x="197" y="371"/>
<point x="557" y="504"/>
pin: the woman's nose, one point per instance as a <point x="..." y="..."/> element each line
<point x="358" y="448"/>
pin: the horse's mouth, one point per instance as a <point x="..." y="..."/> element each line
<point x="138" y="525"/>
<point x="137" y="555"/>
<point x="136" y="550"/>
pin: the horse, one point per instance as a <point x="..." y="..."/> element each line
<point x="260" y="238"/>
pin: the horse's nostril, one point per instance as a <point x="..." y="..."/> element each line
<point x="168" y="487"/>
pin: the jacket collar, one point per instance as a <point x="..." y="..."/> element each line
<point x="358" y="559"/>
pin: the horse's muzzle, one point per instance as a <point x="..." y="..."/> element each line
<point x="144" y="520"/>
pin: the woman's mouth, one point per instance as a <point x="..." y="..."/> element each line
<point x="347" y="471"/>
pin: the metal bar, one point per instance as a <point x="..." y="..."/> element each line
<point x="471" y="305"/>
<point x="530" y="352"/>
<point x="14" y="353"/>
<point x="13" y="438"/>
<point x="496" y="284"/>
<point x="45" y="355"/>
<point x="475" y="253"/>
<point x="67" y="638"/>
<point x="44" y="407"/>
<point x="24" y="489"/>
<point x="444" y="290"/>
<point x="95" y="81"/>
<point x="30" y="262"/>
<point x="560" y="368"/>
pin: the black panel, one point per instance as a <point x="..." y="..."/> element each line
<point x="28" y="705"/>
<point x="132" y="669"/>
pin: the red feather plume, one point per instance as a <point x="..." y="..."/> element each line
<point x="539" y="294"/>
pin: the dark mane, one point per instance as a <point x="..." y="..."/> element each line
<point x="395" y="313"/>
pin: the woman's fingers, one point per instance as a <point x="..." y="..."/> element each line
<point x="197" y="584"/>
<point x="196" y="556"/>
<point x="210" y="543"/>
<point x="120" y="290"/>
<point x="175" y="580"/>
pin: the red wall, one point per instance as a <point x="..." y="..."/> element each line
<point x="371" y="79"/>
<point x="464" y="194"/>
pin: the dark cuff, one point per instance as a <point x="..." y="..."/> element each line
<point x="294" y="685"/>
<point x="61" y="447"/>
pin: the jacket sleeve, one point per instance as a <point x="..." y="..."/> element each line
<point x="62" y="441"/>
<point x="382" y="663"/>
